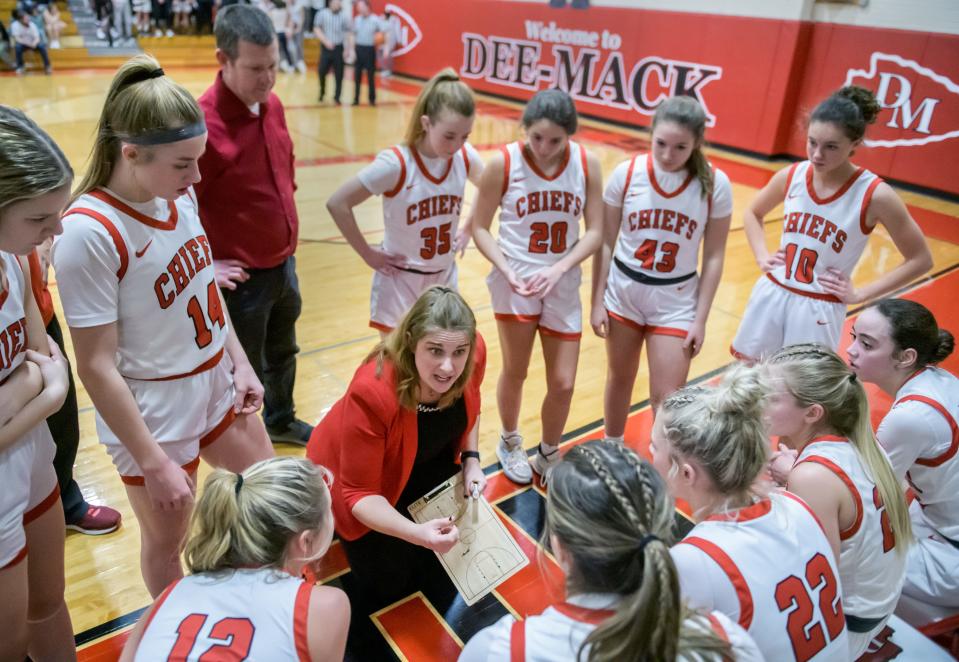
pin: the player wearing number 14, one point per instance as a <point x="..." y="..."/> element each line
<point x="830" y="207"/>
<point x="166" y="373"/>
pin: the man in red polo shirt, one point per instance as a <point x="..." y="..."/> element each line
<point x="247" y="208"/>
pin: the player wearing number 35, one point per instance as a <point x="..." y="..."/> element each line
<point x="422" y="182"/>
<point x="154" y="346"/>
<point x="830" y="207"/>
<point x="409" y="421"/>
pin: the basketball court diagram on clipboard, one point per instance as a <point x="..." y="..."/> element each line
<point x="486" y="554"/>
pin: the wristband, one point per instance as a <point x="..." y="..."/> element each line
<point x="464" y="455"/>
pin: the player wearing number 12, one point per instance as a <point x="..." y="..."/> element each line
<point x="422" y="182"/>
<point x="542" y="187"/>
<point x="154" y="346"/>
<point x="830" y="207"/>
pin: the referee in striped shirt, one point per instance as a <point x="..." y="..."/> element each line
<point x="334" y="29"/>
<point x="365" y="27"/>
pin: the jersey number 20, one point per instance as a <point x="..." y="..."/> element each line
<point x="547" y="238"/>
<point x="793" y="594"/>
<point x="235" y="633"/>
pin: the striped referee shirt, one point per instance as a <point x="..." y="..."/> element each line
<point x="334" y="25"/>
<point x="366" y="27"/>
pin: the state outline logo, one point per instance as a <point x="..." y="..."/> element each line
<point x="874" y="59"/>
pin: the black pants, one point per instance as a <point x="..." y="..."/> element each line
<point x="204" y="16"/>
<point x="331" y="58"/>
<point x="65" y="428"/>
<point x="264" y="311"/>
<point x="365" y="61"/>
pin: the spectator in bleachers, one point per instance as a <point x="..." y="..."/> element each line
<point x="141" y="16"/>
<point x="204" y="16"/>
<point x="54" y="23"/>
<point x="5" y="47"/>
<point x="36" y="17"/>
<point x="26" y="37"/>
<point x="123" y="19"/>
<point x="182" y="10"/>
<point x="161" y="17"/>
<point x="299" y="14"/>
<point x="279" y="13"/>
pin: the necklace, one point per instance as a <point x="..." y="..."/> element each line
<point x="426" y="409"/>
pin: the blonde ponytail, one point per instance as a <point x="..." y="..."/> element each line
<point x="141" y="99"/>
<point x="611" y="513"/>
<point x="248" y="519"/>
<point x="444" y="91"/>
<point x="814" y="374"/>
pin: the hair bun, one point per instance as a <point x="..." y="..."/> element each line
<point x="741" y="392"/>
<point x="946" y="344"/>
<point x="864" y="99"/>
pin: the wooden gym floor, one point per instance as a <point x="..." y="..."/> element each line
<point x="104" y="589"/>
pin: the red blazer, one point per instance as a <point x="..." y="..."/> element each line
<point x="369" y="441"/>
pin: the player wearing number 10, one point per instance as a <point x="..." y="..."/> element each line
<point x="830" y="207"/>
<point x="422" y="182"/>
<point x="153" y="342"/>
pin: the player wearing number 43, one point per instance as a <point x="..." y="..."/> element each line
<point x="819" y="410"/>
<point x="422" y="182"/>
<point x="760" y="557"/>
<point x="154" y="347"/>
<point x="542" y="187"/>
<point x="830" y="207"/>
<point x="252" y="536"/>
<point x="659" y="208"/>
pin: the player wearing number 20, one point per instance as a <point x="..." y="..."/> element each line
<point x="830" y="207"/>
<point x="422" y="182"/>
<point x="154" y="348"/>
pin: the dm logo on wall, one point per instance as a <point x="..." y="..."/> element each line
<point x="919" y="105"/>
<point x="587" y="64"/>
<point x="410" y="33"/>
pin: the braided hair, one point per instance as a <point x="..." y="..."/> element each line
<point x="610" y="511"/>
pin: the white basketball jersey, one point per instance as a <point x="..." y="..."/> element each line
<point x="777" y="557"/>
<point x="661" y="230"/>
<point x="539" y="215"/>
<point x="13" y="319"/>
<point x="870" y="569"/>
<point x="822" y="233"/>
<point x="244" y="615"/>
<point x="935" y="479"/>
<point x="169" y="315"/>
<point x="421" y="215"/>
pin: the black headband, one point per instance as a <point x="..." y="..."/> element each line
<point x="143" y="75"/>
<point x="164" y="136"/>
<point x="239" y="484"/>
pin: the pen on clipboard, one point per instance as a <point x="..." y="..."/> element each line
<point x="474" y="491"/>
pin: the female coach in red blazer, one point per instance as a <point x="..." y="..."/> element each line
<point x="409" y="421"/>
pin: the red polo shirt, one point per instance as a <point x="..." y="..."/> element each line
<point x="246" y="194"/>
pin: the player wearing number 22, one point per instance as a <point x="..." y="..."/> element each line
<point x="760" y="557"/>
<point x="422" y="182"/>
<point x="830" y="207"/>
<point x="154" y="347"/>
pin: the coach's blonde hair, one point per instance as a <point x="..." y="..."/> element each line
<point x="722" y="428"/>
<point x="444" y="91"/>
<point x="689" y="114"/>
<point x="250" y="523"/>
<point x="611" y="513"/>
<point x="814" y="374"/>
<point x="31" y="164"/>
<point x="438" y="308"/>
<point x="133" y="108"/>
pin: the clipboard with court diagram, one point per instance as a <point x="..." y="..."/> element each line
<point x="486" y="554"/>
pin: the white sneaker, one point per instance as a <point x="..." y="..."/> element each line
<point x="169" y="33"/>
<point x="301" y="66"/>
<point x="513" y="458"/>
<point x="542" y="463"/>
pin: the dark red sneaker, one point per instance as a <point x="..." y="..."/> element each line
<point x="97" y="521"/>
